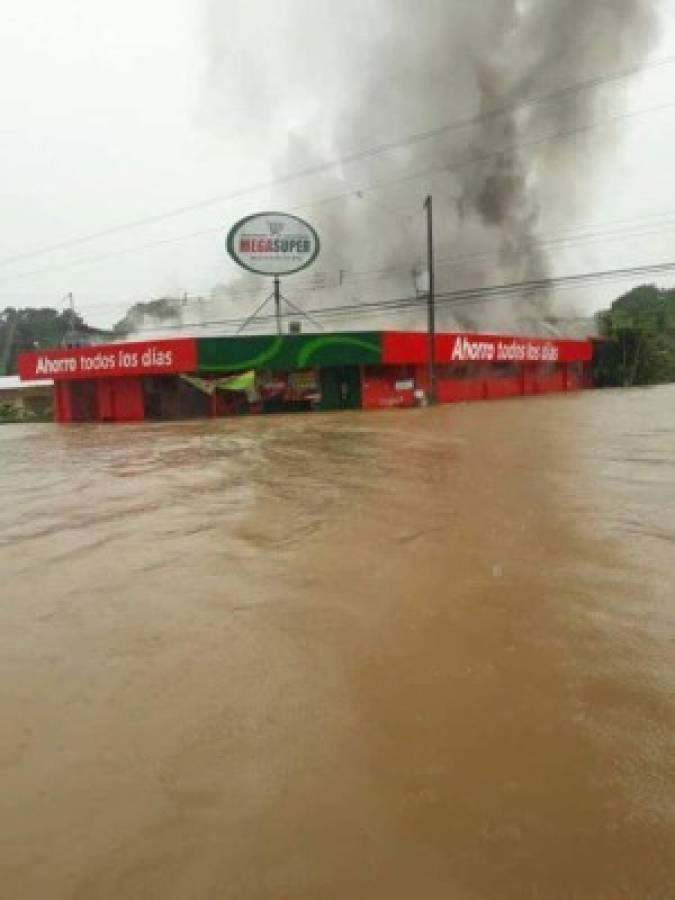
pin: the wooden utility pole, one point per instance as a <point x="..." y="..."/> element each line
<point x="431" y="305"/>
<point x="11" y="324"/>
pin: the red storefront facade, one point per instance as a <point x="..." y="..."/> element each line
<point x="134" y="381"/>
<point x="105" y="383"/>
<point x="471" y="367"/>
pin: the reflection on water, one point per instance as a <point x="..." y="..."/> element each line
<point x="424" y="654"/>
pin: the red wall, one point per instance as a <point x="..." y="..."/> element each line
<point x="529" y="379"/>
<point x="161" y="357"/>
<point x="507" y="386"/>
<point x="458" y="390"/>
<point x="543" y="379"/>
<point x="379" y="387"/>
<point x="577" y="377"/>
<point x="413" y="347"/>
<point x="122" y="399"/>
<point x="63" y="407"/>
<point x="484" y="381"/>
<point x="105" y="400"/>
<point x="102" y="400"/>
<point x="126" y="400"/>
<point x="551" y="382"/>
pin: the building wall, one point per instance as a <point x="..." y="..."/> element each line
<point x="62" y="405"/>
<point x="126" y="399"/>
<point x="100" y="400"/>
<point x="413" y="347"/>
<point x="30" y="403"/>
<point x="372" y="370"/>
<point x="381" y="387"/>
<point x="388" y="387"/>
<point x="494" y="382"/>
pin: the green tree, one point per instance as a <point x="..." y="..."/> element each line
<point x="26" y="329"/>
<point x="639" y="339"/>
<point x="31" y="329"/>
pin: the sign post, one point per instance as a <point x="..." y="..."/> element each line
<point x="274" y="244"/>
<point x="277" y="302"/>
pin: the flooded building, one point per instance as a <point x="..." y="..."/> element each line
<point x="25" y="400"/>
<point x="221" y="376"/>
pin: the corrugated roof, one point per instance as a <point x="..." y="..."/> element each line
<point x="14" y="383"/>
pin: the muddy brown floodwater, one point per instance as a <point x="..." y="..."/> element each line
<point x="420" y="654"/>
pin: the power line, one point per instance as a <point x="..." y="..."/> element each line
<point x="459" y="298"/>
<point x="349" y="159"/>
<point x="572" y="238"/>
<point x="352" y="192"/>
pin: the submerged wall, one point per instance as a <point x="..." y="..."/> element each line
<point x="394" y="386"/>
<point x="100" y="400"/>
<point x="372" y="370"/>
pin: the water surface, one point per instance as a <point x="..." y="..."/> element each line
<point x="411" y="654"/>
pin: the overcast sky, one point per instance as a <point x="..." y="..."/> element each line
<point x="117" y="111"/>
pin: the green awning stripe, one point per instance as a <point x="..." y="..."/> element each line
<point x="320" y="343"/>
<point x="255" y="363"/>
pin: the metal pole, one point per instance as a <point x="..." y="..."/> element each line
<point x="431" y="306"/>
<point x="301" y="312"/>
<point x="277" y="302"/>
<point x="254" y="315"/>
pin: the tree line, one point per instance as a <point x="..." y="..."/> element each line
<point x="636" y="346"/>
<point x="637" y="339"/>
<point x="36" y="328"/>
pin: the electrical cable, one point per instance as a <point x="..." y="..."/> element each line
<point x="455" y="298"/>
<point x="354" y="192"/>
<point x="348" y="159"/>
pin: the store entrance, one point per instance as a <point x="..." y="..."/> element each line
<point x="341" y="388"/>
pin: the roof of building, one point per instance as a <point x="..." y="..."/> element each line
<point x="14" y="383"/>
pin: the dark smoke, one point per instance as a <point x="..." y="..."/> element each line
<point x="372" y="72"/>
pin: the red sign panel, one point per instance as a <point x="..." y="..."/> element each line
<point x="110" y="360"/>
<point x="401" y="348"/>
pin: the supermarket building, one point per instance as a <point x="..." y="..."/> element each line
<point x="221" y="376"/>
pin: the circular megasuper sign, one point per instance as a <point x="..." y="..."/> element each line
<point x="273" y="243"/>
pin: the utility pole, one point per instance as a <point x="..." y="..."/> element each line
<point x="70" y="334"/>
<point x="431" y="305"/>
<point x="11" y="324"/>
<point x="277" y="302"/>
